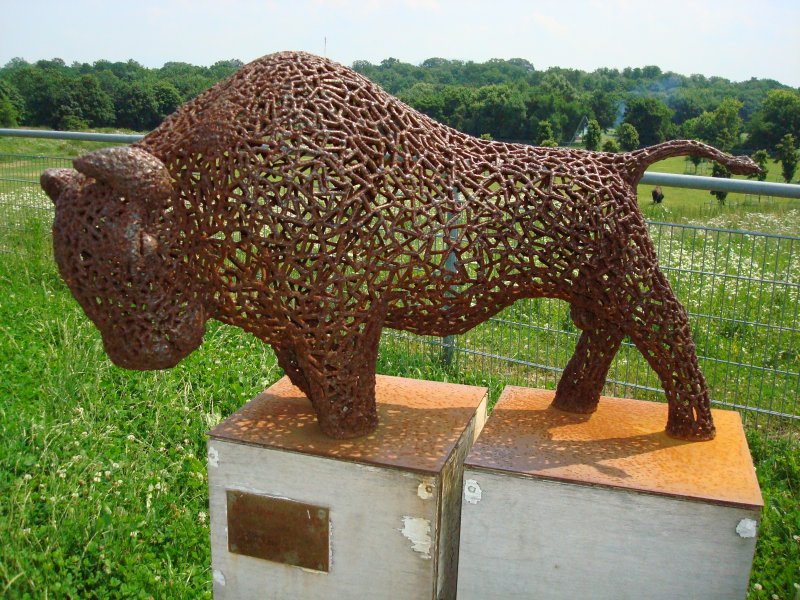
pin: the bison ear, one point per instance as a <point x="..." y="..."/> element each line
<point x="55" y="181"/>
<point x="135" y="173"/>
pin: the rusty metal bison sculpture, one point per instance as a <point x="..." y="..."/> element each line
<point x="301" y="202"/>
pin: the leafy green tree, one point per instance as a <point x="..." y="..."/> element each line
<point x="651" y="118"/>
<point x="545" y="133"/>
<point x="224" y="68"/>
<point x="137" y="107"/>
<point x="168" y="98"/>
<point x="8" y="114"/>
<point x="779" y="114"/>
<point x="72" y="122"/>
<point x="720" y="128"/>
<point x="96" y="108"/>
<point x="11" y="105"/>
<point x="557" y="84"/>
<point x="727" y="124"/>
<point x="499" y="110"/>
<point x="425" y="98"/>
<point x="788" y="156"/>
<point x="610" y="146"/>
<point x="685" y="106"/>
<point x="720" y="171"/>
<point x="604" y="108"/>
<point x="628" y="137"/>
<point x="456" y="100"/>
<point x="188" y="79"/>
<point x="761" y="158"/>
<point x="44" y="93"/>
<point x="593" y="135"/>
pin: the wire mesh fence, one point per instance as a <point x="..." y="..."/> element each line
<point x="741" y="289"/>
<point x="23" y="204"/>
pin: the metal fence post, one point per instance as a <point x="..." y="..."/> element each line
<point x="449" y="341"/>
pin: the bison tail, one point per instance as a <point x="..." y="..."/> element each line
<point x="635" y="163"/>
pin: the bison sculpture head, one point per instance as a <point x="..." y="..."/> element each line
<point x="113" y="242"/>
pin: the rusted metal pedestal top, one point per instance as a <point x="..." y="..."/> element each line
<point x="622" y="445"/>
<point x="420" y="423"/>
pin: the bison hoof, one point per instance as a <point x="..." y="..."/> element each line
<point x="574" y="405"/>
<point x="691" y="432"/>
<point x="350" y="428"/>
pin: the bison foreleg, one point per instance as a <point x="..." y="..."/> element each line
<point x="288" y="361"/>
<point x="582" y="381"/>
<point x="336" y="370"/>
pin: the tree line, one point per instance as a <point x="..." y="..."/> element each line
<point x="507" y="100"/>
<point x="50" y="93"/>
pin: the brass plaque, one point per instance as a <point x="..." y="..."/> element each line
<point x="280" y="530"/>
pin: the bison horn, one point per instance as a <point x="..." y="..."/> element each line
<point x="55" y="181"/>
<point x="137" y="174"/>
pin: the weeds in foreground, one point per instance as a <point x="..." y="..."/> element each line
<point x="103" y="489"/>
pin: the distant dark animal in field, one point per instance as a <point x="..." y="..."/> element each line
<point x="657" y="194"/>
<point x="299" y="201"/>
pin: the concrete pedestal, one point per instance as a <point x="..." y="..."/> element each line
<point x="295" y="514"/>
<point x="559" y="505"/>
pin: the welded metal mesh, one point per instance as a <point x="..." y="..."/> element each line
<point x="742" y="292"/>
<point x="741" y="289"/>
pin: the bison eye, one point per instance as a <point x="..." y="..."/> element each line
<point x="85" y="256"/>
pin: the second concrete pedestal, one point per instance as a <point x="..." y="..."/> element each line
<point x="605" y="506"/>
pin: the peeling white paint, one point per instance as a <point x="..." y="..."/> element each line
<point x="746" y="528"/>
<point x="425" y="488"/>
<point x="418" y="531"/>
<point x="219" y="577"/>
<point x="472" y="491"/>
<point x="213" y="457"/>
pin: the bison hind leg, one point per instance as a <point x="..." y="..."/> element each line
<point x="583" y="379"/>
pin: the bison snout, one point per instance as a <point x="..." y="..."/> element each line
<point x="160" y="347"/>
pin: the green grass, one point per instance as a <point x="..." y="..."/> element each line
<point x="48" y="147"/>
<point x="740" y="211"/>
<point x="102" y="470"/>
<point x="776" y="567"/>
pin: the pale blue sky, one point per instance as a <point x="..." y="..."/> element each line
<point x="735" y="39"/>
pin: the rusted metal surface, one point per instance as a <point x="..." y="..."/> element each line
<point x="280" y="530"/>
<point x="420" y="424"/>
<point x="301" y="202"/>
<point x="622" y="445"/>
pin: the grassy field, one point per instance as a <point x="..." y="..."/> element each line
<point x="697" y="207"/>
<point x="48" y="147"/>
<point x="102" y="471"/>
